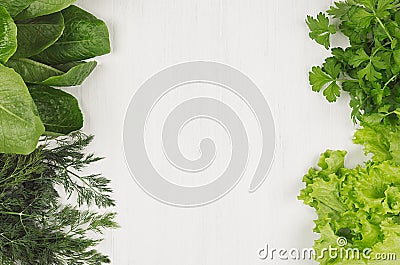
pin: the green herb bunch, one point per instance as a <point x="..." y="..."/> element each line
<point x="361" y="204"/>
<point x="44" y="44"/>
<point x="369" y="68"/>
<point x="35" y="228"/>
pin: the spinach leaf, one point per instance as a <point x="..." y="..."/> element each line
<point x="20" y="125"/>
<point x="36" y="35"/>
<point x="32" y="71"/>
<point x="58" y="110"/>
<point x="8" y="35"/>
<point x="14" y="7"/>
<point x="74" y="76"/>
<point x="84" y="37"/>
<point x="37" y="73"/>
<point x="43" y="7"/>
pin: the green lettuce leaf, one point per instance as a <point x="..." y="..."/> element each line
<point x="58" y="110"/>
<point x="84" y="37"/>
<point x="360" y="205"/>
<point x="36" y="35"/>
<point x="14" y="7"/>
<point x="383" y="141"/>
<point x="8" y="35"/>
<point x="43" y="7"/>
<point x="20" y="125"/>
<point x="37" y="73"/>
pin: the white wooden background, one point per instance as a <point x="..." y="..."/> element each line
<point x="268" y="41"/>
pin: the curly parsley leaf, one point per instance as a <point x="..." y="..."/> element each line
<point x="321" y="30"/>
<point x="370" y="66"/>
<point x="326" y="77"/>
<point x="339" y="10"/>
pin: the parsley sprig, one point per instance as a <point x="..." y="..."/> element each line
<point x="369" y="68"/>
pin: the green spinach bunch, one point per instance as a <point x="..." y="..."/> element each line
<point x="369" y="67"/>
<point x="43" y="45"/>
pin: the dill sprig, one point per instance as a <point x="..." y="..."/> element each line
<point x="35" y="228"/>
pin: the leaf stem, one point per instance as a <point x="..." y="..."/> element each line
<point x="347" y="80"/>
<point x="384" y="28"/>
<point x="18" y="214"/>
<point x="389" y="81"/>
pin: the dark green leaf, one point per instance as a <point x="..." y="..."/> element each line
<point x="36" y="35"/>
<point x="8" y="35"/>
<point x="37" y="73"/>
<point x="20" y="124"/>
<point x="75" y="74"/>
<point x="14" y="7"/>
<point x="84" y="37"/>
<point x="58" y="110"/>
<point x="44" y="7"/>
<point x="32" y="71"/>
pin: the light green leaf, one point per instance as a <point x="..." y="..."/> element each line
<point x="392" y="200"/>
<point x="326" y="77"/>
<point x="320" y="29"/>
<point x="327" y="193"/>
<point x="58" y="110"/>
<point x="14" y="7"/>
<point x="318" y="78"/>
<point x="383" y="7"/>
<point x="332" y="68"/>
<point x="8" y="35"/>
<point x="369" y="73"/>
<point x="332" y="161"/>
<point x="84" y="37"/>
<point x="396" y="56"/>
<point x="360" y="57"/>
<point x="20" y="125"/>
<point x="38" y="34"/>
<point x="375" y="140"/>
<point x="44" y="7"/>
<point x="379" y="63"/>
<point x="339" y="10"/>
<point x="374" y="118"/>
<point x="37" y="73"/>
<point x="332" y="92"/>
<point x="362" y="18"/>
